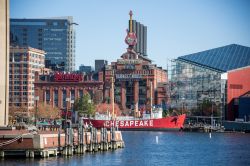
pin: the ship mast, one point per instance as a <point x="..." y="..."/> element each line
<point x="151" y="98"/>
<point x="113" y="96"/>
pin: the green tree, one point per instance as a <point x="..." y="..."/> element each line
<point x="84" y="105"/>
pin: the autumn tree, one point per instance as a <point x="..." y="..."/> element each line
<point x="105" y="108"/>
<point x="46" y="111"/>
<point x="19" y="113"/>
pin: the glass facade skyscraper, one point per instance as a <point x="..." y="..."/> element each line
<point x="56" y="36"/>
<point x="199" y="80"/>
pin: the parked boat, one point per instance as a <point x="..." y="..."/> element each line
<point x="151" y="122"/>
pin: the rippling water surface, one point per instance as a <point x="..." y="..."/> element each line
<point x="173" y="148"/>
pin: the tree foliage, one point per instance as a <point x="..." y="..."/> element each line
<point x="84" y="105"/>
<point x="19" y="112"/>
<point x="103" y="108"/>
<point x="46" y="111"/>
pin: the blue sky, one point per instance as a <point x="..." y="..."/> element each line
<point x="175" y="27"/>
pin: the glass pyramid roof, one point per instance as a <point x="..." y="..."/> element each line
<point x="223" y="58"/>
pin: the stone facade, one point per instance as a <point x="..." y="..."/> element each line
<point x="4" y="62"/>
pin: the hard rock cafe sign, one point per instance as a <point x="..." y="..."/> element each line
<point x="131" y="38"/>
<point x="67" y="77"/>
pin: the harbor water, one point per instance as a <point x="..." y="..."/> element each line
<point x="159" y="148"/>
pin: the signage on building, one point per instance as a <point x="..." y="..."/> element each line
<point x="68" y="77"/>
<point x="128" y="76"/>
<point x="130" y="66"/>
<point x="129" y="61"/>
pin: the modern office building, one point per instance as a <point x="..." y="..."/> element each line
<point x="100" y="64"/>
<point x="4" y="62"/>
<point x="141" y="34"/>
<point x="199" y="81"/>
<point x="23" y="63"/>
<point x="56" y="36"/>
<point x="85" y="69"/>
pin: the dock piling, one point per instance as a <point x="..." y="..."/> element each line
<point x="51" y="143"/>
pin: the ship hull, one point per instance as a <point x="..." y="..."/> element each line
<point x="162" y="124"/>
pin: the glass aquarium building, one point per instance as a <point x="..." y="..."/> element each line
<point x="198" y="83"/>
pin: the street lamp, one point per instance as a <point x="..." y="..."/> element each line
<point x="71" y="107"/>
<point x="67" y="100"/>
<point x="36" y="99"/>
<point x="183" y="100"/>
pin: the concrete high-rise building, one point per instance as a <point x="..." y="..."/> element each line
<point x="24" y="62"/>
<point x="56" y="36"/>
<point x="99" y="64"/>
<point x="141" y="34"/>
<point x="4" y="62"/>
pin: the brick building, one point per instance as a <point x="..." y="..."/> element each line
<point x="23" y="63"/>
<point x="62" y="89"/>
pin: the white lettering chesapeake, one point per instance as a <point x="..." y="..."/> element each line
<point x="106" y="124"/>
<point x="131" y="123"/>
<point x="141" y="123"/>
<point x="126" y="123"/>
<point x="112" y="123"/>
<point x="151" y="123"/>
<point x="136" y="123"/>
<point x="145" y="123"/>
<point x="122" y="123"/>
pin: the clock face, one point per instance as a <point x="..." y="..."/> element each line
<point x="131" y="39"/>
